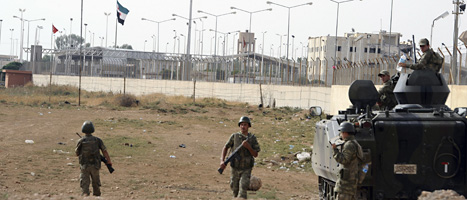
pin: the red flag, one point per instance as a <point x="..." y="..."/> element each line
<point x="244" y="43"/>
<point x="54" y="29"/>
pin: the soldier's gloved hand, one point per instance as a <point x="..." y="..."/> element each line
<point x="109" y="162"/>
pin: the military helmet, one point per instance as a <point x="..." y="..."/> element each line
<point x="347" y="127"/>
<point x="87" y="127"/>
<point x="244" y="119"/>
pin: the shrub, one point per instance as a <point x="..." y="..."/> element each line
<point x="125" y="100"/>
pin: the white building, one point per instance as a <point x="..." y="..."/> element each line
<point x="352" y="48"/>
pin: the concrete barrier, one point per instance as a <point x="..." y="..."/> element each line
<point x="330" y="99"/>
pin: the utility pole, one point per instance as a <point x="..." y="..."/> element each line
<point x="454" y="40"/>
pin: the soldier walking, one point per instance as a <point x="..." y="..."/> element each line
<point x="347" y="156"/>
<point x="244" y="162"/>
<point x="90" y="159"/>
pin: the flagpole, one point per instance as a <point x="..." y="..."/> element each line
<point x="116" y="23"/>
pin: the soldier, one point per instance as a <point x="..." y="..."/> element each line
<point x="429" y="60"/>
<point x="90" y="159"/>
<point x="243" y="164"/>
<point x="386" y="100"/>
<point x="346" y="185"/>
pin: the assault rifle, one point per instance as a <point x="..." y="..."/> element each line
<point x="103" y="159"/>
<point x="231" y="157"/>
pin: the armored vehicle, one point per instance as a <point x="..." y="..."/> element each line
<point x="420" y="145"/>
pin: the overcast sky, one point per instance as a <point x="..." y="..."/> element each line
<point x="409" y="17"/>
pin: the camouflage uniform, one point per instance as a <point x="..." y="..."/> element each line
<point x="242" y="164"/>
<point x="386" y="96"/>
<point x="346" y="185"/>
<point x="428" y="61"/>
<point x="90" y="162"/>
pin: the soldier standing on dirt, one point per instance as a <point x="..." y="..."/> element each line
<point x="90" y="159"/>
<point x="242" y="164"/>
<point x="346" y="185"/>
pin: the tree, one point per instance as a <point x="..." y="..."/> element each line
<point x="63" y="41"/>
<point x="124" y="46"/>
<point x="46" y="58"/>
<point x="13" y="65"/>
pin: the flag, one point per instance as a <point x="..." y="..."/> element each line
<point x="54" y="30"/>
<point x="244" y="43"/>
<point x="121" y="13"/>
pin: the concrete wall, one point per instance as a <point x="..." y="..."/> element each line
<point x="293" y="96"/>
<point x="330" y="99"/>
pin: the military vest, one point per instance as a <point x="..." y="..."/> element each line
<point x="90" y="151"/>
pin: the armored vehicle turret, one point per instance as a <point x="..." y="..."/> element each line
<point x="420" y="145"/>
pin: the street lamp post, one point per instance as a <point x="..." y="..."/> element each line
<point x="27" y="41"/>
<point x="158" y="23"/>
<point x="445" y="14"/>
<point x="251" y="13"/>
<point x="1" y="21"/>
<point x="262" y="55"/>
<point x="21" y="31"/>
<point x="215" y="33"/>
<point x="11" y="47"/>
<point x="144" y="47"/>
<point x="184" y="43"/>
<point x="106" y="26"/>
<point x="102" y="40"/>
<point x="288" y="23"/>
<point x="193" y="19"/>
<point x="337" y="25"/>
<point x="153" y="43"/>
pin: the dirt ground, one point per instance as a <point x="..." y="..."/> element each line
<point x="144" y="146"/>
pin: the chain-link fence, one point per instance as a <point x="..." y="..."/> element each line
<point x="243" y="68"/>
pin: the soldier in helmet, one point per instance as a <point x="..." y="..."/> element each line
<point x="243" y="164"/>
<point x="429" y="60"/>
<point x="386" y="100"/>
<point x="90" y="159"/>
<point x="347" y="156"/>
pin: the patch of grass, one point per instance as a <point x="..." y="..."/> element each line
<point x="261" y="194"/>
<point x="136" y="146"/>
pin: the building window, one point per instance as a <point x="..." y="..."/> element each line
<point x="324" y="48"/>
<point x="338" y="48"/>
<point x="372" y="50"/>
<point x="366" y="50"/>
<point x="354" y="49"/>
<point x="379" y="50"/>
<point x="351" y="49"/>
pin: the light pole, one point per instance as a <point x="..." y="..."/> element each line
<point x="21" y="32"/>
<point x="251" y="13"/>
<point x="445" y="14"/>
<point x="153" y="43"/>
<point x="85" y="27"/>
<point x="193" y="19"/>
<point x="106" y="26"/>
<point x="1" y="21"/>
<point x="262" y="55"/>
<point x="184" y="43"/>
<point x="144" y="47"/>
<point x="71" y="28"/>
<point x="27" y="41"/>
<point x="11" y="39"/>
<point x="158" y="23"/>
<point x="288" y="23"/>
<point x="38" y="33"/>
<point x="166" y="45"/>
<point x="337" y="25"/>
<point x="215" y="33"/>
<point x="102" y="40"/>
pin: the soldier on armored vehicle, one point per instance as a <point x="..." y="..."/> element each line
<point x="429" y="60"/>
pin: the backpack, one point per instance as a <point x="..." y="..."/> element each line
<point x="437" y="60"/>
